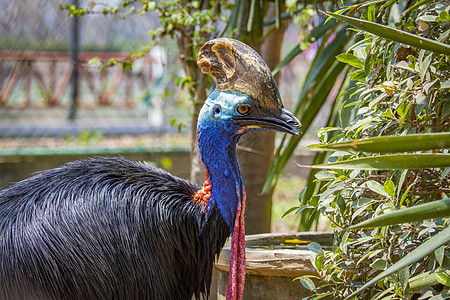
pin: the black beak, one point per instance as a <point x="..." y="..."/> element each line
<point x="280" y="120"/>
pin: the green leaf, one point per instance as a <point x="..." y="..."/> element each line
<point x="403" y="277"/>
<point x="400" y="183"/>
<point x="443" y="278"/>
<point x="376" y="187"/>
<point x="422" y="281"/>
<point x="287" y="59"/>
<point x="302" y="208"/>
<point x="315" y="247"/>
<point x="389" y="188"/>
<point x="425" y="64"/>
<point x="302" y="194"/>
<point x="251" y="15"/>
<point x="350" y="59"/>
<point x="393" y="144"/>
<point x="391" y="162"/>
<point x="380" y="264"/>
<point x="439" y="254"/>
<point x="443" y="17"/>
<point x="360" y="210"/>
<point x="394" y="34"/>
<point x="318" y="261"/>
<point x="95" y="62"/>
<point x="358" y="75"/>
<point x="307" y="283"/>
<point x="127" y="66"/>
<point x="289" y="211"/>
<point x="195" y="4"/>
<point x="430" y="210"/>
<point x="415" y="255"/>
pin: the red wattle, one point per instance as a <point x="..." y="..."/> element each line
<point x="236" y="278"/>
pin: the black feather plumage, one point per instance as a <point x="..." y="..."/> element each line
<point x="106" y="228"/>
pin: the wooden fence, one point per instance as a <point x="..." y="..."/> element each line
<point x="31" y="79"/>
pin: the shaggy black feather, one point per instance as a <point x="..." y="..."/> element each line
<point x="106" y="228"/>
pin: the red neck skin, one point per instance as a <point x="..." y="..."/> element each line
<point x="236" y="278"/>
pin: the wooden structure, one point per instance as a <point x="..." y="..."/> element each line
<point x="31" y="79"/>
<point x="272" y="262"/>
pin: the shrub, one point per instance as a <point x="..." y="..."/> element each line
<point x="389" y="153"/>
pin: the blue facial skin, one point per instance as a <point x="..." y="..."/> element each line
<point x="217" y="137"/>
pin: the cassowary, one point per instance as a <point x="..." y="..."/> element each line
<point x="108" y="228"/>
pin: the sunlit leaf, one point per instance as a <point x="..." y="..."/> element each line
<point x="415" y="255"/>
<point x="379" y="264"/>
<point x="391" y="162"/>
<point x="289" y="211"/>
<point x="376" y="187"/>
<point x="315" y="247"/>
<point x="389" y="188"/>
<point x="392" y="144"/>
<point x="435" y="209"/>
<point x="443" y="17"/>
<point x="423" y="280"/>
<point x="403" y="277"/>
<point x="443" y="278"/>
<point x="348" y="58"/>
<point x="395" y="34"/>
<point x="307" y="283"/>
<point x="439" y="254"/>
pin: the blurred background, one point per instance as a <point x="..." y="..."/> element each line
<point x="51" y="114"/>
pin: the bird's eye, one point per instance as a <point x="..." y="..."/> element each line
<point x="217" y="109"/>
<point x="243" y="109"/>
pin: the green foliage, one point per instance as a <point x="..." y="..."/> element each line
<point x="322" y="77"/>
<point x="430" y="210"/>
<point x="398" y="35"/>
<point x="176" y="123"/>
<point x="391" y="144"/>
<point x="190" y="21"/>
<point x="390" y="162"/>
<point x="399" y="103"/>
<point x="86" y="137"/>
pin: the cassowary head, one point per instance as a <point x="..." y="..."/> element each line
<point x="246" y="98"/>
<point x="245" y="88"/>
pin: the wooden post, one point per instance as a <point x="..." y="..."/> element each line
<point x="27" y="82"/>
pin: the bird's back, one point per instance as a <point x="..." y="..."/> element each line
<point x="106" y="228"/>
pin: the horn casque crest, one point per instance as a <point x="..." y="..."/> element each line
<point x="235" y="66"/>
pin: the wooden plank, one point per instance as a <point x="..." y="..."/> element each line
<point x="42" y="69"/>
<point x="9" y="85"/>
<point x="112" y="86"/>
<point x="66" y="56"/>
<point x="61" y="87"/>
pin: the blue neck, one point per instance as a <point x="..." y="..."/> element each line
<point x="217" y="139"/>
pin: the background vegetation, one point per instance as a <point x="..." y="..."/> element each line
<point x="389" y="141"/>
